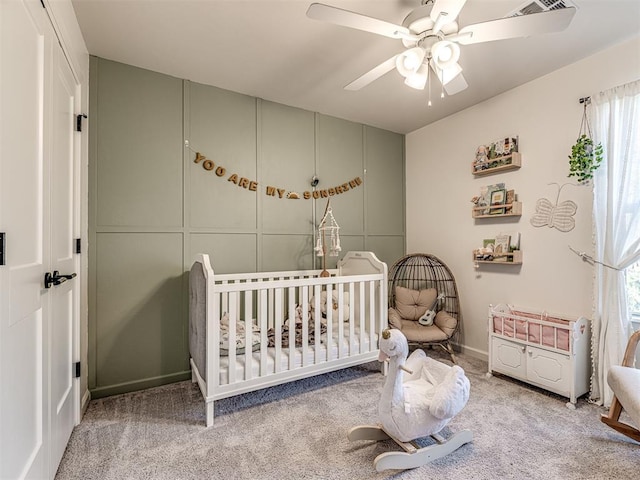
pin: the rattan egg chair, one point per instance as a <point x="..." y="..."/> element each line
<point x="415" y="282"/>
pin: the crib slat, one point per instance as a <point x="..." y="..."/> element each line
<point x="233" y="318"/>
<point x="271" y="313"/>
<point x="225" y="301"/>
<point x="262" y="322"/>
<point x="372" y="315"/>
<point x="352" y="318"/>
<point x="278" y="327"/>
<point x="362" y="315"/>
<point x="316" y="322"/>
<point x="340" y="321"/>
<point x="248" y="333"/>
<point x="329" y="323"/>
<point x="292" y="327"/>
<point x="305" y="325"/>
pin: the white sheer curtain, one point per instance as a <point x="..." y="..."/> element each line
<point x="617" y="225"/>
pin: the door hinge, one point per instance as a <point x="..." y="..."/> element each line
<point x="79" y="118"/>
<point x="3" y="245"/>
<point x="78" y="245"/>
<point x="76" y="370"/>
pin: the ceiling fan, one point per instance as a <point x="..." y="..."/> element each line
<point x="432" y="39"/>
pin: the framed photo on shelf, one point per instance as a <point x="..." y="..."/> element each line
<point x="511" y="197"/>
<point x="501" y="248"/>
<point x="497" y="198"/>
<point x="485" y="197"/>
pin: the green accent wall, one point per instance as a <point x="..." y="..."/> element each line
<point x="152" y="208"/>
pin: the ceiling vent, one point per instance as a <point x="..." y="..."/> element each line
<point x="537" y="6"/>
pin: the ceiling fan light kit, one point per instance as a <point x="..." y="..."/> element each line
<point x="418" y="80"/>
<point x="445" y="54"/>
<point x="409" y="61"/>
<point x="432" y="38"/>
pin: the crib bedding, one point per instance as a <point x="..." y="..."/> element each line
<point x="537" y="328"/>
<point x="241" y="338"/>
<point x="313" y="354"/>
<point x="298" y="333"/>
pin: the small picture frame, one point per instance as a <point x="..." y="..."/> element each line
<point x="497" y="198"/>
<point x="501" y="248"/>
<point x="511" y="197"/>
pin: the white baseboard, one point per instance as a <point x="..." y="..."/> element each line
<point x="473" y="352"/>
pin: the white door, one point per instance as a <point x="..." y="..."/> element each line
<point x="64" y="296"/>
<point x="23" y="346"/>
<point x="34" y="392"/>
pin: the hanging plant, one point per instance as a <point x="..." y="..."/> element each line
<point x="585" y="157"/>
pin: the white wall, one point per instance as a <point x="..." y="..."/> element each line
<point x="545" y="114"/>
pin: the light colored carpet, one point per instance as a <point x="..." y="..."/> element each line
<point x="298" y="431"/>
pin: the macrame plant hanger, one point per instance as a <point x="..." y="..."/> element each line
<point x="585" y="128"/>
<point x="328" y="238"/>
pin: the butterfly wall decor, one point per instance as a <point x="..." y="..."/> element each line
<point x="558" y="216"/>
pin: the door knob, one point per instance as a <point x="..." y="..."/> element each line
<point x="55" y="278"/>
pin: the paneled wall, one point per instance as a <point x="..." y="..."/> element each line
<point x="152" y="207"/>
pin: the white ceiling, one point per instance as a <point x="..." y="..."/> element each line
<point x="271" y="50"/>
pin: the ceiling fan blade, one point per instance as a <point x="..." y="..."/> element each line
<point x="451" y="9"/>
<point x="513" y="27"/>
<point x="338" y="16"/>
<point x="373" y="74"/>
<point x="456" y="85"/>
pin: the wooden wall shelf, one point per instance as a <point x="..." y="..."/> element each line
<point x="516" y="211"/>
<point x="512" y="258"/>
<point x="512" y="161"/>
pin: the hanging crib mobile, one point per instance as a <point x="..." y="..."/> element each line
<point x="328" y="238"/>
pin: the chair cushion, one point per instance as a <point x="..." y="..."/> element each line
<point x="625" y="383"/>
<point x="412" y="304"/>
<point x="446" y="322"/>
<point x="395" y="320"/>
<point x="419" y="333"/>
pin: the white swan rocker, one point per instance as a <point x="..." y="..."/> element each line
<point x="420" y="396"/>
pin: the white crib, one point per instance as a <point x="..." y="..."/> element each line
<point x="233" y="318"/>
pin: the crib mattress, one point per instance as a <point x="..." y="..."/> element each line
<point x="291" y="359"/>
